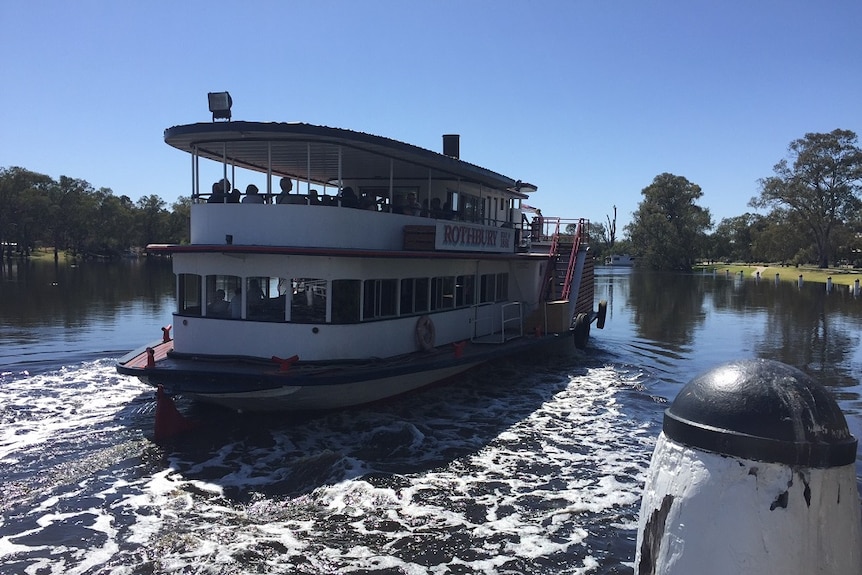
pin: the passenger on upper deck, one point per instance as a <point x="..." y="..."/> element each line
<point x="219" y="194"/>
<point x="537" y="228"/>
<point x="436" y="209"/>
<point x="252" y="196"/>
<point x="313" y="199"/>
<point x="284" y="197"/>
<point x="234" y="196"/>
<point x="366" y="202"/>
<point x="348" y="198"/>
<point x="412" y="207"/>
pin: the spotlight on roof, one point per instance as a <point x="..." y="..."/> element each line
<point x="220" y="103"/>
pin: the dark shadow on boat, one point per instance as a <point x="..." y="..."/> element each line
<point x="285" y="455"/>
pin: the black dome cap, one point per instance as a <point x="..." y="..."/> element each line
<point x="761" y="410"/>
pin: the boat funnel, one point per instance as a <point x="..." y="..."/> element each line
<point x="452" y="145"/>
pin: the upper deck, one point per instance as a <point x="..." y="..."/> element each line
<point x="348" y="190"/>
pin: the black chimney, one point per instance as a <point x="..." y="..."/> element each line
<point x="452" y="145"/>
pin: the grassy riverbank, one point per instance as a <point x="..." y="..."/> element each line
<point x="840" y="276"/>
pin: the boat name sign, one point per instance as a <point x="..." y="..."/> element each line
<point x="464" y="237"/>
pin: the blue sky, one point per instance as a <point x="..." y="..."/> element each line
<point x="588" y="100"/>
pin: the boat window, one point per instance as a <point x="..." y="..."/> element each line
<point x="470" y="208"/>
<point x="414" y="295"/>
<point x="442" y="293"/>
<point x="308" y="300"/>
<point x="189" y="294"/>
<point x="502" y="292"/>
<point x="379" y="299"/>
<point x="487" y="289"/>
<point x="464" y="290"/>
<point x="220" y="290"/>
<point x="345" y="301"/>
<point x="266" y="298"/>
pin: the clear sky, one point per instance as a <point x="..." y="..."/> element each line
<point x="589" y="100"/>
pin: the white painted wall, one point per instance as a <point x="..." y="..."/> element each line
<point x="726" y="517"/>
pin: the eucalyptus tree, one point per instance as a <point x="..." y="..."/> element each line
<point x="668" y="230"/>
<point x="179" y="221"/>
<point x="153" y="220"/>
<point x="819" y="183"/>
<point x="734" y="237"/>
<point x="23" y="208"/>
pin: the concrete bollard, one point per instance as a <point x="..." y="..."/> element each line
<point x="753" y="474"/>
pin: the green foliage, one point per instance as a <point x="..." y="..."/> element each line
<point x="820" y="188"/>
<point x="70" y="215"/>
<point x="668" y="229"/>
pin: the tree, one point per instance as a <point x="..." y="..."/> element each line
<point x="733" y="237"/>
<point x="776" y="238"/>
<point x="668" y="230"/>
<point x="22" y="207"/>
<point x="153" y="218"/>
<point x="612" y="230"/>
<point x="180" y="219"/>
<point x="820" y="187"/>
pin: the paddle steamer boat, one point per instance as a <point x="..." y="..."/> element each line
<point x="381" y="268"/>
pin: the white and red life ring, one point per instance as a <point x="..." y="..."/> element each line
<point x="425" y="333"/>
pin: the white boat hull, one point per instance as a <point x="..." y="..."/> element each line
<point x="324" y="397"/>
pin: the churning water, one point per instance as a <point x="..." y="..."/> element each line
<point x="533" y="465"/>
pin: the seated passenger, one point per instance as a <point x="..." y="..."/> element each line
<point x="252" y="196"/>
<point x="234" y="196"/>
<point x="313" y="198"/>
<point x="284" y="197"/>
<point x="255" y="294"/>
<point x="436" y="208"/>
<point x="219" y="306"/>
<point x="366" y="202"/>
<point x="236" y="304"/>
<point x="219" y="193"/>
<point x="348" y="198"/>
<point x="412" y="207"/>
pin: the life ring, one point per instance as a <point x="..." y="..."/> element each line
<point x="425" y="333"/>
<point x="581" y="331"/>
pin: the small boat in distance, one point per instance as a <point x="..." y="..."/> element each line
<point x="620" y="260"/>
<point x="353" y="268"/>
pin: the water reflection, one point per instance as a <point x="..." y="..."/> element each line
<point x="52" y="311"/>
<point x="668" y="308"/>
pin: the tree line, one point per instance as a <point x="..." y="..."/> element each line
<point x="814" y="214"/>
<point x="71" y="215"/>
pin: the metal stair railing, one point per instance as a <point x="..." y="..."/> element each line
<point x="573" y="258"/>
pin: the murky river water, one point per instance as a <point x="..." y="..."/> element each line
<point x="533" y="465"/>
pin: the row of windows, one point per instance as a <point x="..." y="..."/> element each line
<point x="309" y="300"/>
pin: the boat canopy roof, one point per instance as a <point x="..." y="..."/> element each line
<point x="327" y="155"/>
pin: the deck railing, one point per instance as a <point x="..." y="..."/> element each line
<point x="511" y="324"/>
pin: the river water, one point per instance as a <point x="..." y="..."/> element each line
<point x="532" y="465"/>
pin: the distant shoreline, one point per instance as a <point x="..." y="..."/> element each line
<point x="840" y="276"/>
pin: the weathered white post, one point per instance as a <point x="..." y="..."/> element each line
<point x="753" y="474"/>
